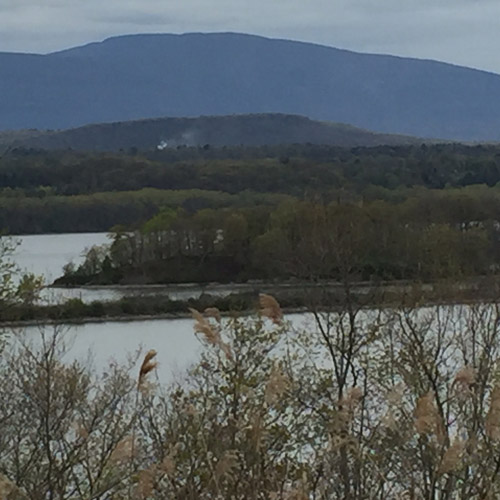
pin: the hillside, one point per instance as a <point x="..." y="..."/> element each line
<point x="146" y="76"/>
<point x="248" y="130"/>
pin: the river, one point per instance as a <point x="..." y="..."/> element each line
<point x="47" y="254"/>
<point x="100" y="343"/>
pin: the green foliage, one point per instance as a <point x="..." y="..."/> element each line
<point x="69" y="191"/>
<point x="426" y="238"/>
<point x="29" y="288"/>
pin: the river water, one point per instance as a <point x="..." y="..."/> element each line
<point x="100" y="343"/>
<point x="47" y="254"/>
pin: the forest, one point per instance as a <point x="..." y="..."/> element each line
<point x="369" y="400"/>
<point x="69" y="191"/>
<point x="440" y="235"/>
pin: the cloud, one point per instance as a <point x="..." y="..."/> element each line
<point x="459" y="31"/>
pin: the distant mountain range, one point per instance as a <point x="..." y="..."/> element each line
<point x="234" y="130"/>
<point x="146" y="76"/>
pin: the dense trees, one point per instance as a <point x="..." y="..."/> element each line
<point x="289" y="169"/>
<point x="442" y="234"/>
<point x="70" y="191"/>
<point x="392" y="402"/>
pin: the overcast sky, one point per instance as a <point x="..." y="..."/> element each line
<point x="465" y="32"/>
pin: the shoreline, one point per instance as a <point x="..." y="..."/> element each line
<point x="125" y="318"/>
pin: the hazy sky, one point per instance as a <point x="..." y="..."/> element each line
<point x="464" y="32"/>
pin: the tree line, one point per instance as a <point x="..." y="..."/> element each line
<point x="66" y="191"/>
<point x="286" y="169"/>
<point x="438" y="234"/>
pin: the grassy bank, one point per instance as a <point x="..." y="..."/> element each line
<point x="292" y="299"/>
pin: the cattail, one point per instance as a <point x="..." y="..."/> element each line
<point x="147" y="366"/>
<point x="427" y="419"/>
<point x="270" y="308"/>
<point x="213" y="312"/>
<point x="276" y="385"/>
<point x="492" y="423"/>
<point x="451" y="457"/>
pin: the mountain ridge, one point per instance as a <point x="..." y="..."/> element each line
<point x="254" y="36"/>
<point x="232" y="130"/>
<point x="142" y="76"/>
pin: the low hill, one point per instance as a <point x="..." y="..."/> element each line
<point x="235" y="130"/>
<point x="147" y="76"/>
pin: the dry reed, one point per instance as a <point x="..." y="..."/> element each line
<point x="452" y="457"/>
<point x="427" y="418"/>
<point x="492" y="423"/>
<point x="270" y="308"/>
<point x="465" y="379"/>
<point x="213" y="312"/>
<point x="148" y="365"/>
<point x="276" y="385"/>
<point x="210" y="333"/>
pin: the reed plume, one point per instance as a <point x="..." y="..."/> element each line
<point x="465" y="379"/>
<point x="9" y="489"/>
<point x="276" y="385"/>
<point x="148" y="365"/>
<point x="168" y="464"/>
<point x="213" y="312"/>
<point x="210" y="333"/>
<point x="492" y="423"/>
<point x="146" y="482"/>
<point x="270" y="308"/>
<point x="203" y="326"/>
<point x="227" y="464"/>
<point x="123" y="451"/>
<point x="351" y="399"/>
<point x="451" y="458"/>
<point x="427" y="418"/>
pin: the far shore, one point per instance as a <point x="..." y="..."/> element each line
<point x="294" y="298"/>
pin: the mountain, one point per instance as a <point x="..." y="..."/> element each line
<point x="146" y="76"/>
<point x="234" y="130"/>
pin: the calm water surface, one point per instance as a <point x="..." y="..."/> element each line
<point x="101" y="343"/>
<point x="47" y="254"/>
